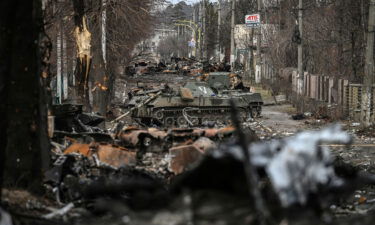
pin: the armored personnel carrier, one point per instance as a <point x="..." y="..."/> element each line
<point x="193" y="104"/>
<point x="231" y="84"/>
<point x="224" y="81"/>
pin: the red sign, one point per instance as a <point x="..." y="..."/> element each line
<point x="253" y="18"/>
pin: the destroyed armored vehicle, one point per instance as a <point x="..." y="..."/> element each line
<point x="191" y="105"/>
<point x="231" y="84"/>
<point x="224" y="81"/>
<point x="219" y="80"/>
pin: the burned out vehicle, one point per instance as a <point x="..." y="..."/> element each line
<point x="231" y="84"/>
<point x="224" y="81"/>
<point x="194" y="104"/>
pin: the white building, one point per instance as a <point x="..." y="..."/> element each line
<point x="160" y="34"/>
<point x="149" y="47"/>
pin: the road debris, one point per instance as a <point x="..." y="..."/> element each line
<point x="59" y="212"/>
<point x="185" y="156"/>
<point x="71" y="118"/>
<point x="112" y="155"/>
<point x="134" y="165"/>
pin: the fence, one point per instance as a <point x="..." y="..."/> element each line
<point x="353" y="94"/>
<point x="344" y="96"/>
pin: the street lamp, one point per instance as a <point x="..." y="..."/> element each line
<point x="197" y="29"/>
<point x="185" y="25"/>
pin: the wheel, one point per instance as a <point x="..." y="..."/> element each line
<point x="195" y="121"/>
<point x="228" y="120"/>
<point x="181" y="121"/>
<point x="251" y="113"/>
<point x="243" y="116"/>
<point x="169" y="121"/>
<point x="147" y="141"/>
<point x="159" y="114"/>
<point x="205" y="120"/>
<point x="218" y="119"/>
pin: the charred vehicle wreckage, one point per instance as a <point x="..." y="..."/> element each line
<point x="194" y="104"/>
<point x="212" y="168"/>
<point x="178" y="175"/>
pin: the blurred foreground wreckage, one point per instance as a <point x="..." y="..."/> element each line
<point x="296" y="173"/>
<point x="83" y="161"/>
<point x="296" y="176"/>
<point x="296" y="168"/>
<point x="5" y="218"/>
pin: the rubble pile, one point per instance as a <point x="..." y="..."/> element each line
<point x="159" y="151"/>
<point x="139" y="175"/>
<point x="369" y="131"/>
<point x="233" y="172"/>
<point x="296" y="174"/>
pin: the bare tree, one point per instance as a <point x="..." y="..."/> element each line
<point x="83" y="27"/>
<point x="169" y="47"/>
<point x="334" y="37"/>
<point x="83" y="40"/>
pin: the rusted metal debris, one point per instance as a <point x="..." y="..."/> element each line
<point x="135" y="137"/>
<point x="183" y="157"/>
<point x="76" y="133"/>
<point x="185" y="146"/>
<point x="170" y="71"/>
<point x="71" y="118"/>
<point x="112" y="155"/>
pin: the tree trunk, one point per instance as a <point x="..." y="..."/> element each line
<point x="24" y="141"/>
<point x="99" y="75"/>
<point x="83" y="41"/>
<point x="99" y="80"/>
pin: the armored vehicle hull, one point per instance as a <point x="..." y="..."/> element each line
<point x="195" y="104"/>
<point x="231" y="84"/>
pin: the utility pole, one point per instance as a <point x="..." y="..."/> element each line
<point x="251" y="57"/>
<point x="195" y="34"/>
<point x="201" y="25"/>
<point x="59" y="83"/>
<point x="368" y="80"/>
<point x="178" y="41"/>
<point x="300" y="50"/>
<point x="232" y="50"/>
<point x="258" y="70"/>
<point x="204" y="53"/>
<point x="218" y="32"/>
